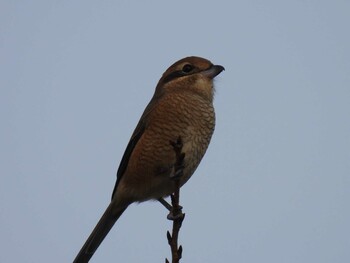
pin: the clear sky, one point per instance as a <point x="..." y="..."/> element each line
<point x="274" y="185"/>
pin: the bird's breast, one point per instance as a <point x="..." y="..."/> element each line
<point x="152" y="162"/>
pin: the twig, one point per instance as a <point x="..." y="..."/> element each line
<point x="176" y="214"/>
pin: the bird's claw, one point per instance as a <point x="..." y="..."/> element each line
<point x="175" y="216"/>
<point x="178" y="171"/>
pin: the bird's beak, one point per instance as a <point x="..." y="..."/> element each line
<point x="213" y="71"/>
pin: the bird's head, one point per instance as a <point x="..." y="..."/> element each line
<point x="193" y="74"/>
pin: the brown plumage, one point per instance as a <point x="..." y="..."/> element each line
<point x="182" y="105"/>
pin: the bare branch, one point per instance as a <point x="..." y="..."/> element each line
<point x="176" y="214"/>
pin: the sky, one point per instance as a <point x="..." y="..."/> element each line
<point x="274" y="185"/>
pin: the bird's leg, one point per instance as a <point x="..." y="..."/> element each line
<point x="165" y="204"/>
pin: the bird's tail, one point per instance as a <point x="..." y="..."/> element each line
<point x="100" y="231"/>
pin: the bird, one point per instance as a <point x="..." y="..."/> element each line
<point x="181" y="107"/>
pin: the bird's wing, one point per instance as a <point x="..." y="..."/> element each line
<point x="128" y="151"/>
<point x="137" y="134"/>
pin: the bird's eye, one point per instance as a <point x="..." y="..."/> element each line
<point x="187" y="68"/>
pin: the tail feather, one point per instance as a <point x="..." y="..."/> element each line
<point x="100" y="231"/>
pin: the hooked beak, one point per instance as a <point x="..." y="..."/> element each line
<point x="213" y="71"/>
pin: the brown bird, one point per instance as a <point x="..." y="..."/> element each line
<point x="181" y="107"/>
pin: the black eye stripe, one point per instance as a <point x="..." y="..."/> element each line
<point x="173" y="75"/>
<point x="186" y="70"/>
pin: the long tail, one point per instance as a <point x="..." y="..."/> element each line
<point x="100" y="231"/>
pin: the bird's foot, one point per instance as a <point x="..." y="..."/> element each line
<point x="168" y="206"/>
<point x="176" y="215"/>
<point x="178" y="170"/>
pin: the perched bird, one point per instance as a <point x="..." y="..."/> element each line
<point x="181" y="107"/>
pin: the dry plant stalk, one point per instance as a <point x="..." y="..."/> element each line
<point x="176" y="214"/>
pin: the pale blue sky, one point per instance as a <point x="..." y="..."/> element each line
<point x="275" y="183"/>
